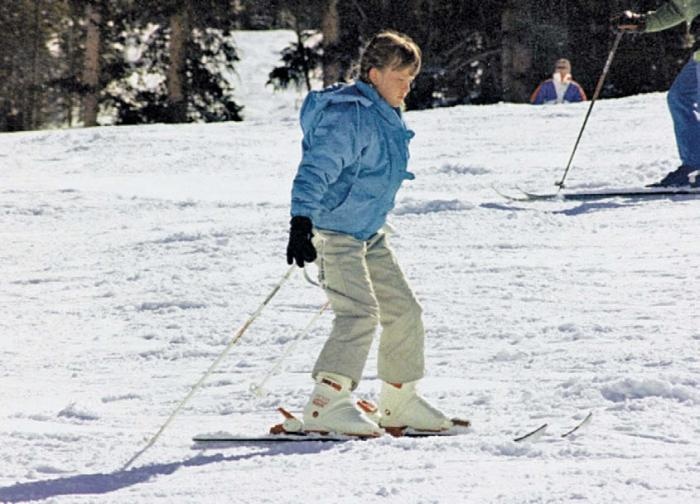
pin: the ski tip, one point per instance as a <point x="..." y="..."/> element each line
<point x="578" y="426"/>
<point x="508" y="196"/>
<point x="291" y="424"/>
<point x="532" y="435"/>
<point x="461" y="422"/>
<point x="286" y="414"/>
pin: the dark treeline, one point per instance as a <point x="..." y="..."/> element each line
<point x="68" y="62"/>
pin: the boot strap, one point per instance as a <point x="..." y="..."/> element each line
<point x="332" y="384"/>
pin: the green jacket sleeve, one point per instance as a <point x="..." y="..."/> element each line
<point x="671" y="14"/>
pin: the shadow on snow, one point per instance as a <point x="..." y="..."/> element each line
<point x="585" y="208"/>
<point x="95" y="484"/>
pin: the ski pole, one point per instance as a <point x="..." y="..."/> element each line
<point x="216" y="362"/>
<point x="598" y="88"/>
<point x="258" y="388"/>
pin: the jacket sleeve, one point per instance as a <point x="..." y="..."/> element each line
<point x="536" y="97"/>
<point x="579" y="91"/>
<point x="329" y="148"/>
<point x="671" y="14"/>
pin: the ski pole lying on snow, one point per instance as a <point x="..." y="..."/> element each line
<point x="598" y="88"/>
<point x="196" y="386"/>
<point x="258" y="388"/>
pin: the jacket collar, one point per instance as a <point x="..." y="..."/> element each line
<point x="391" y="114"/>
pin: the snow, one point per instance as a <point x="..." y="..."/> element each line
<point x="131" y="256"/>
<point x="259" y="53"/>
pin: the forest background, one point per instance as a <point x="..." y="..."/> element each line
<point x="68" y="63"/>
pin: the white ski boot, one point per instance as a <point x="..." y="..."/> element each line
<point x="332" y="409"/>
<point x="402" y="408"/>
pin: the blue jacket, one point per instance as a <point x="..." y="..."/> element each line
<point x="547" y="93"/>
<point x="354" y="158"/>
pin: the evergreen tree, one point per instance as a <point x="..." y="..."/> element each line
<point x="300" y="61"/>
<point x="183" y="57"/>
<point x="306" y="17"/>
<point x="27" y="33"/>
<point x="172" y="60"/>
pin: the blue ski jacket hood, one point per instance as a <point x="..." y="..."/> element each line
<point x="354" y="159"/>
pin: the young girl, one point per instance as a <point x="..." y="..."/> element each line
<point x="355" y="152"/>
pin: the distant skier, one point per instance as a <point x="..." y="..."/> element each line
<point x="354" y="159"/>
<point x="561" y="88"/>
<point x="684" y="95"/>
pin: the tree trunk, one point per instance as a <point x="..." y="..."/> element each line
<point x="516" y="56"/>
<point x="179" y="37"/>
<point x="71" y="50"/>
<point x="31" y="115"/>
<point x="330" y="27"/>
<point x="305" y="62"/>
<point x="91" y="66"/>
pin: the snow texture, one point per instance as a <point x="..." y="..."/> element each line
<point x="131" y="255"/>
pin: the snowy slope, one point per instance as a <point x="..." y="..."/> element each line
<point x="130" y="256"/>
<point x="259" y="53"/>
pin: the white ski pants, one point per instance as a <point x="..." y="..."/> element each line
<point x="366" y="287"/>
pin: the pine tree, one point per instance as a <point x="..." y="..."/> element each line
<point x="300" y="60"/>
<point x="185" y="55"/>
<point x="26" y="62"/>
<point x="91" y="65"/>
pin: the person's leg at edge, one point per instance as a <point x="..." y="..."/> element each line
<point x="684" y="105"/>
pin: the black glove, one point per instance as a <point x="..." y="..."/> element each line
<point x="628" y="21"/>
<point x="300" y="248"/>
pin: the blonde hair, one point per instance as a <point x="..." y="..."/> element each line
<point x="390" y="49"/>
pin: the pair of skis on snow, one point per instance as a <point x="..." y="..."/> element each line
<point x="291" y="430"/>
<point x="540" y="431"/>
<point x="635" y="193"/>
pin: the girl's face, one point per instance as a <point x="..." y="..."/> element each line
<point x="393" y="85"/>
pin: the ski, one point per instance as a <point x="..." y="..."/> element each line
<point x="225" y="438"/>
<point x="509" y="197"/>
<point x="650" y="192"/>
<point x="638" y="193"/>
<point x="578" y="426"/>
<point x="291" y="430"/>
<point x="533" y="435"/>
<point x="537" y="433"/>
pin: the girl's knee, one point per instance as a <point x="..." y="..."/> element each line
<point x="416" y="308"/>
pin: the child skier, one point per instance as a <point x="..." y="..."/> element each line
<point x="355" y="152"/>
<point x="684" y="95"/>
